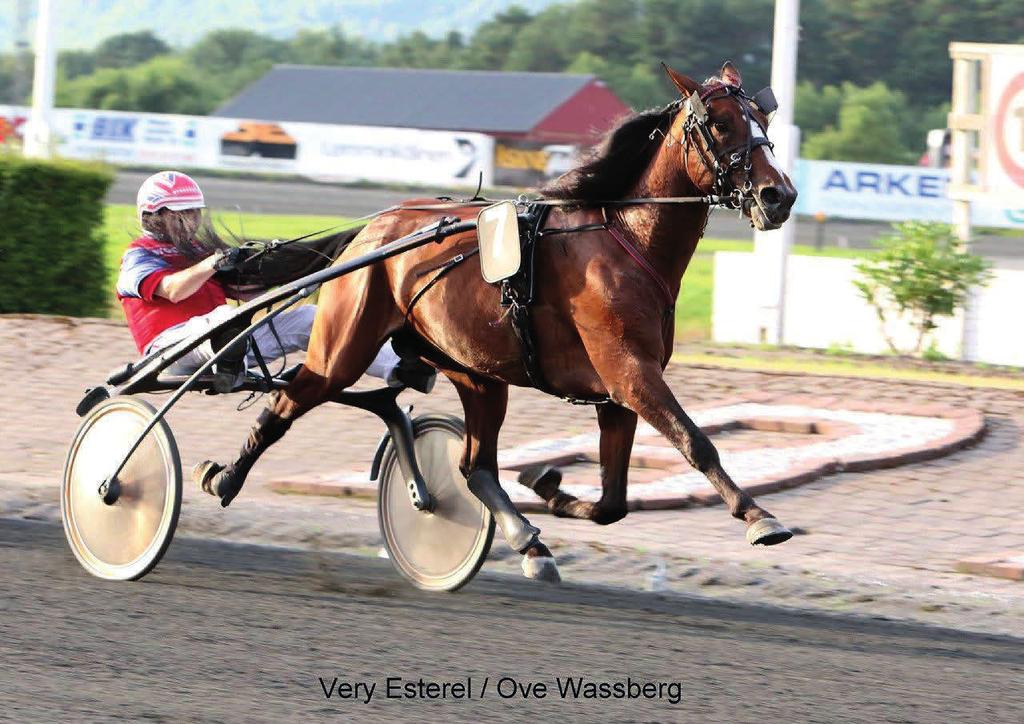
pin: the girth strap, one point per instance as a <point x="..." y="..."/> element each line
<point x="517" y="294"/>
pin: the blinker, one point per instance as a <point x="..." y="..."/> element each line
<point x="765" y="101"/>
<point x="700" y="113"/>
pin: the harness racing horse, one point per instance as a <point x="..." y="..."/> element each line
<point x="607" y="273"/>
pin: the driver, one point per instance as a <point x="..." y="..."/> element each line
<point x="167" y="289"/>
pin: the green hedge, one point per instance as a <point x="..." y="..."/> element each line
<point x="51" y="241"/>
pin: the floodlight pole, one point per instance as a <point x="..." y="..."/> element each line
<point x="39" y="132"/>
<point x="965" y="103"/>
<point x="772" y="247"/>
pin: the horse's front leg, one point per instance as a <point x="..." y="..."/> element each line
<point x="642" y="387"/>
<point x="618" y="426"/>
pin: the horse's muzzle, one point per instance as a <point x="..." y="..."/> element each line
<point x="772" y="205"/>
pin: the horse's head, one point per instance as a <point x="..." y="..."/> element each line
<point x="725" y="146"/>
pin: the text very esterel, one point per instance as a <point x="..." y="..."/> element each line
<point x="505" y="687"/>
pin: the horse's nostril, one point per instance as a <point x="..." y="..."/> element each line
<point x="770" y="196"/>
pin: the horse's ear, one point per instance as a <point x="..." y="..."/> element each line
<point x="685" y="84"/>
<point x="730" y="74"/>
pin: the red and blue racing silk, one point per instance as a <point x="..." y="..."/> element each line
<point x="143" y="265"/>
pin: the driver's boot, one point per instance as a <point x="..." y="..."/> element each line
<point x="229" y="368"/>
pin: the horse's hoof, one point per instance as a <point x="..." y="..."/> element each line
<point x="227" y="487"/>
<point x="544" y="480"/>
<point x="203" y="474"/>
<point x="767" y="532"/>
<point x="214" y="479"/>
<point x="541" y="568"/>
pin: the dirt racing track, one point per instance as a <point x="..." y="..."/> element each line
<point x="236" y="633"/>
<point x="226" y="632"/>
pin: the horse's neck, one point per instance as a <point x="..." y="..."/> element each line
<point x="668" y="232"/>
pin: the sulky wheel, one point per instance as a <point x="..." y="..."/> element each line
<point x="124" y="540"/>
<point x="440" y="550"/>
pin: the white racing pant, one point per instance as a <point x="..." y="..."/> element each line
<point x="293" y="328"/>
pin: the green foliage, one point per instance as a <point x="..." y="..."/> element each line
<point x="162" y="85"/>
<point x="920" y="272"/>
<point x="128" y="49"/>
<point x="868" y="128"/>
<point x="331" y="47"/>
<point x="493" y="40"/>
<point x="74" y="63"/>
<point x="837" y="349"/>
<point x="229" y="60"/>
<point x="15" y="78"/>
<point x="51" y="243"/>
<point x="816" y="108"/>
<point x="932" y="354"/>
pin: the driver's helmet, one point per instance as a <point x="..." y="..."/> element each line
<point x="168" y="190"/>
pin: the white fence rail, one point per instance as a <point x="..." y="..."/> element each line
<point x="823" y="309"/>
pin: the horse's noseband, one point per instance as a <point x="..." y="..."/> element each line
<point x="721" y="163"/>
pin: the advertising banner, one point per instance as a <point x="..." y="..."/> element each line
<point x="530" y="163"/>
<point x="323" y="152"/>
<point x="880" y="192"/>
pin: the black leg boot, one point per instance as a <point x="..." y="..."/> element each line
<point x="230" y="367"/>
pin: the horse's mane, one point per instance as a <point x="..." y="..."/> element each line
<point x="614" y="167"/>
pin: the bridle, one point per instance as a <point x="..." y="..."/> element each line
<point x="722" y="163"/>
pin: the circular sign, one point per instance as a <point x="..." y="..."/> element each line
<point x="1013" y="169"/>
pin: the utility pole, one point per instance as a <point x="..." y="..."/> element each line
<point x="38" y="130"/>
<point x="772" y="247"/>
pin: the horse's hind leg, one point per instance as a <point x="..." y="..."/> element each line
<point x="618" y="425"/>
<point x="484" y="403"/>
<point x="283" y="408"/>
<point x="347" y="333"/>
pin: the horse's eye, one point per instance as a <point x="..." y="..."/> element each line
<point x="720" y="126"/>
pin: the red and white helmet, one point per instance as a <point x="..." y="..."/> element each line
<point x="168" y="190"/>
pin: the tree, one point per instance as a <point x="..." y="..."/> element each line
<point x="922" y="273"/>
<point x="128" y="49"/>
<point x="418" y="50"/>
<point x="161" y="85"/>
<point x="224" y="51"/>
<point x="330" y="47"/>
<point x="74" y="63"/>
<point x="493" y="40"/>
<point x="15" y="78"/>
<point x="696" y="36"/>
<point x="816" y="108"/>
<point x="642" y="88"/>
<point x="536" y="48"/>
<point x="229" y="60"/>
<point x="610" y="29"/>
<point x="868" y="129"/>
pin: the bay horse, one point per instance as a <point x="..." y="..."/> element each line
<point x="604" y="321"/>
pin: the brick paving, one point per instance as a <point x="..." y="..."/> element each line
<point x="765" y="447"/>
<point x="884" y="542"/>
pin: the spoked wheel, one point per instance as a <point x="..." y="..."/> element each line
<point x="124" y="540"/>
<point x="440" y="550"/>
